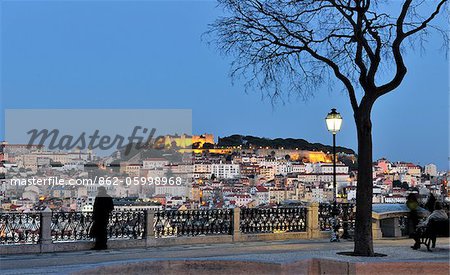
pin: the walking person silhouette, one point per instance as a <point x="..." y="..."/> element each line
<point x="103" y="206"/>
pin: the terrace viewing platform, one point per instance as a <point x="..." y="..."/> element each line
<point x="275" y="240"/>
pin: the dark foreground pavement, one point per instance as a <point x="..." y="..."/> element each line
<point x="243" y="258"/>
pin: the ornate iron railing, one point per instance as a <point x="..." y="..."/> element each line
<point x="325" y="216"/>
<point x="127" y="224"/>
<point x="173" y="223"/>
<point x="270" y="220"/>
<point x="74" y="226"/>
<point x="71" y="226"/>
<point x="20" y="228"/>
<point x="404" y="225"/>
<point x="346" y="215"/>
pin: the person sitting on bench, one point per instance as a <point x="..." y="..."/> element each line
<point x="437" y="215"/>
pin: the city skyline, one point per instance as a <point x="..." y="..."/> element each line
<point x="225" y="136"/>
<point x="120" y="49"/>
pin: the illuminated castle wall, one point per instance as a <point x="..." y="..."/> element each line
<point x="185" y="141"/>
<point x="202" y="139"/>
<point x="298" y="155"/>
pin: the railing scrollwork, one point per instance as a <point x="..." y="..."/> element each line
<point x="20" y="228"/>
<point x="270" y="220"/>
<point x="346" y="216"/>
<point x="173" y="223"/>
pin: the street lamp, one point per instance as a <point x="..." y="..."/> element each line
<point x="334" y="123"/>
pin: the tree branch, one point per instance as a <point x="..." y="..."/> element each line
<point x="296" y="42"/>
<point x="340" y="76"/>
<point x="396" y="51"/>
<point x="428" y="20"/>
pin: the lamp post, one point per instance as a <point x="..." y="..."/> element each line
<point x="334" y="122"/>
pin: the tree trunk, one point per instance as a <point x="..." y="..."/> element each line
<point x="364" y="191"/>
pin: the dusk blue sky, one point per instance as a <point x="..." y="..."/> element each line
<point x="150" y="54"/>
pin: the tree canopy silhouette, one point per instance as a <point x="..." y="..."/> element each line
<point x="294" y="46"/>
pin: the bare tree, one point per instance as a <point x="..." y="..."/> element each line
<point x="294" y="46"/>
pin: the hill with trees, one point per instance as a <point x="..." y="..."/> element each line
<point x="278" y="143"/>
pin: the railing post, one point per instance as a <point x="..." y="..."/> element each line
<point x="236" y="224"/>
<point x="312" y="225"/>
<point x="376" y="229"/>
<point x="150" y="227"/>
<point x="46" y="231"/>
<point x="397" y="230"/>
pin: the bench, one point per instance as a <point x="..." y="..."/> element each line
<point x="427" y="235"/>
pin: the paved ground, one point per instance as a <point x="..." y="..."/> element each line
<point x="271" y="252"/>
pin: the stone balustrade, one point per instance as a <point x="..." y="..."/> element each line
<point x="69" y="231"/>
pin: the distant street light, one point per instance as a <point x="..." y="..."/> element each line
<point x="334" y="123"/>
